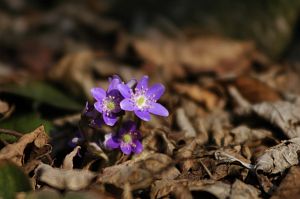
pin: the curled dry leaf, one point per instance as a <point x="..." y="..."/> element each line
<point x="68" y="161"/>
<point x="158" y="141"/>
<point x="282" y="114"/>
<point x="289" y="187"/>
<point x="15" y="152"/>
<point x="240" y="190"/>
<point x="227" y="156"/>
<point x="64" y="179"/>
<point x="280" y="157"/>
<point x="184" y="123"/>
<point x="139" y="172"/>
<point x="241" y="134"/>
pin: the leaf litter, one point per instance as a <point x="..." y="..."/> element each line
<point x="233" y="129"/>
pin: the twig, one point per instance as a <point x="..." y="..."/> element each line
<point x="11" y="132"/>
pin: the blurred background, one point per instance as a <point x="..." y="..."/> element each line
<point x="52" y="52"/>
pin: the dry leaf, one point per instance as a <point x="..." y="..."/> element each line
<point x="15" y="152"/>
<point x="256" y="91"/>
<point x="240" y="190"/>
<point x="64" y="179"/>
<point x="199" y="54"/>
<point x="285" y="115"/>
<point x="242" y="134"/>
<point x="228" y="156"/>
<point x="75" y="71"/>
<point x="289" y="187"/>
<point x="158" y="141"/>
<point x="184" y="123"/>
<point x="139" y="172"/>
<point x="280" y="157"/>
<point x="198" y="94"/>
<point x="68" y="161"/>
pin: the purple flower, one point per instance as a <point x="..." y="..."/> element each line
<point x="108" y="102"/>
<point x="143" y="99"/>
<point x="127" y="139"/>
<point x="95" y="119"/>
<point x="76" y="140"/>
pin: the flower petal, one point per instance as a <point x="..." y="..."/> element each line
<point x="114" y="84"/>
<point x="98" y="107"/>
<point x="125" y="148"/>
<point x="158" y="109"/>
<point x="144" y="115"/>
<point x="138" y="147"/>
<point x="156" y="91"/>
<point x="129" y="126"/>
<point x="131" y="83"/>
<point x="109" y="120"/>
<point x="110" y="143"/>
<point x="98" y="93"/>
<point x="127" y="105"/>
<point x="124" y="90"/>
<point x="143" y="83"/>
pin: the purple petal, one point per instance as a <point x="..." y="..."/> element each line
<point x="156" y="91"/>
<point x="138" y="148"/>
<point x="109" y="120"/>
<point x="143" y="83"/>
<point x="125" y="148"/>
<point x="110" y="143"/>
<point x="113" y="84"/>
<point x="124" y="90"/>
<point x="98" y="93"/>
<point x="144" y="115"/>
<point x="131" y="83"/>
<point x="127" y="105"/>
<point x="158" y="109"/>
<point x="98" y="107"/>
<point x="129" y="126"/>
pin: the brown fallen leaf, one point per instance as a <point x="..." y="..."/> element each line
<point x="256" y="91"/>
<point x="280" y="157"/>
<point x="139" y="172"/>
<point x="68" y="161"/>
<point x="289" y="187"/>
<point x="164" y="188"/>
<point x="185" y="124"/>
<point x="15" y="152"/>
<point x="220" y="190"/>
<point x="198" y="54"/>
<point x="240" y="190"/>
<point x="198" y="94"/>
<point x="64" y="179"/>
<point x="158" y="141"/>
<point x="75" y="71"/>
<point x="242" y="134"/>
<point x="282" y="114"/>
<point x="229" y="156"/>
<point x="4" y="107"/>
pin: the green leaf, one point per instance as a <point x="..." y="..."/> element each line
<point x="43" y="93"/>
<point x="23" y="123"/>
<point x="12" y="180"/>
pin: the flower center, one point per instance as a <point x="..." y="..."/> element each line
<point x="110" y="105"/>
<point x="140" y="101"/>
<point x="127" y="138"/>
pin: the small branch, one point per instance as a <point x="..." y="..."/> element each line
<point x="11" y="132"/>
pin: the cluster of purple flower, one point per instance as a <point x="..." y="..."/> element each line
<point x="132" y="96"/>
